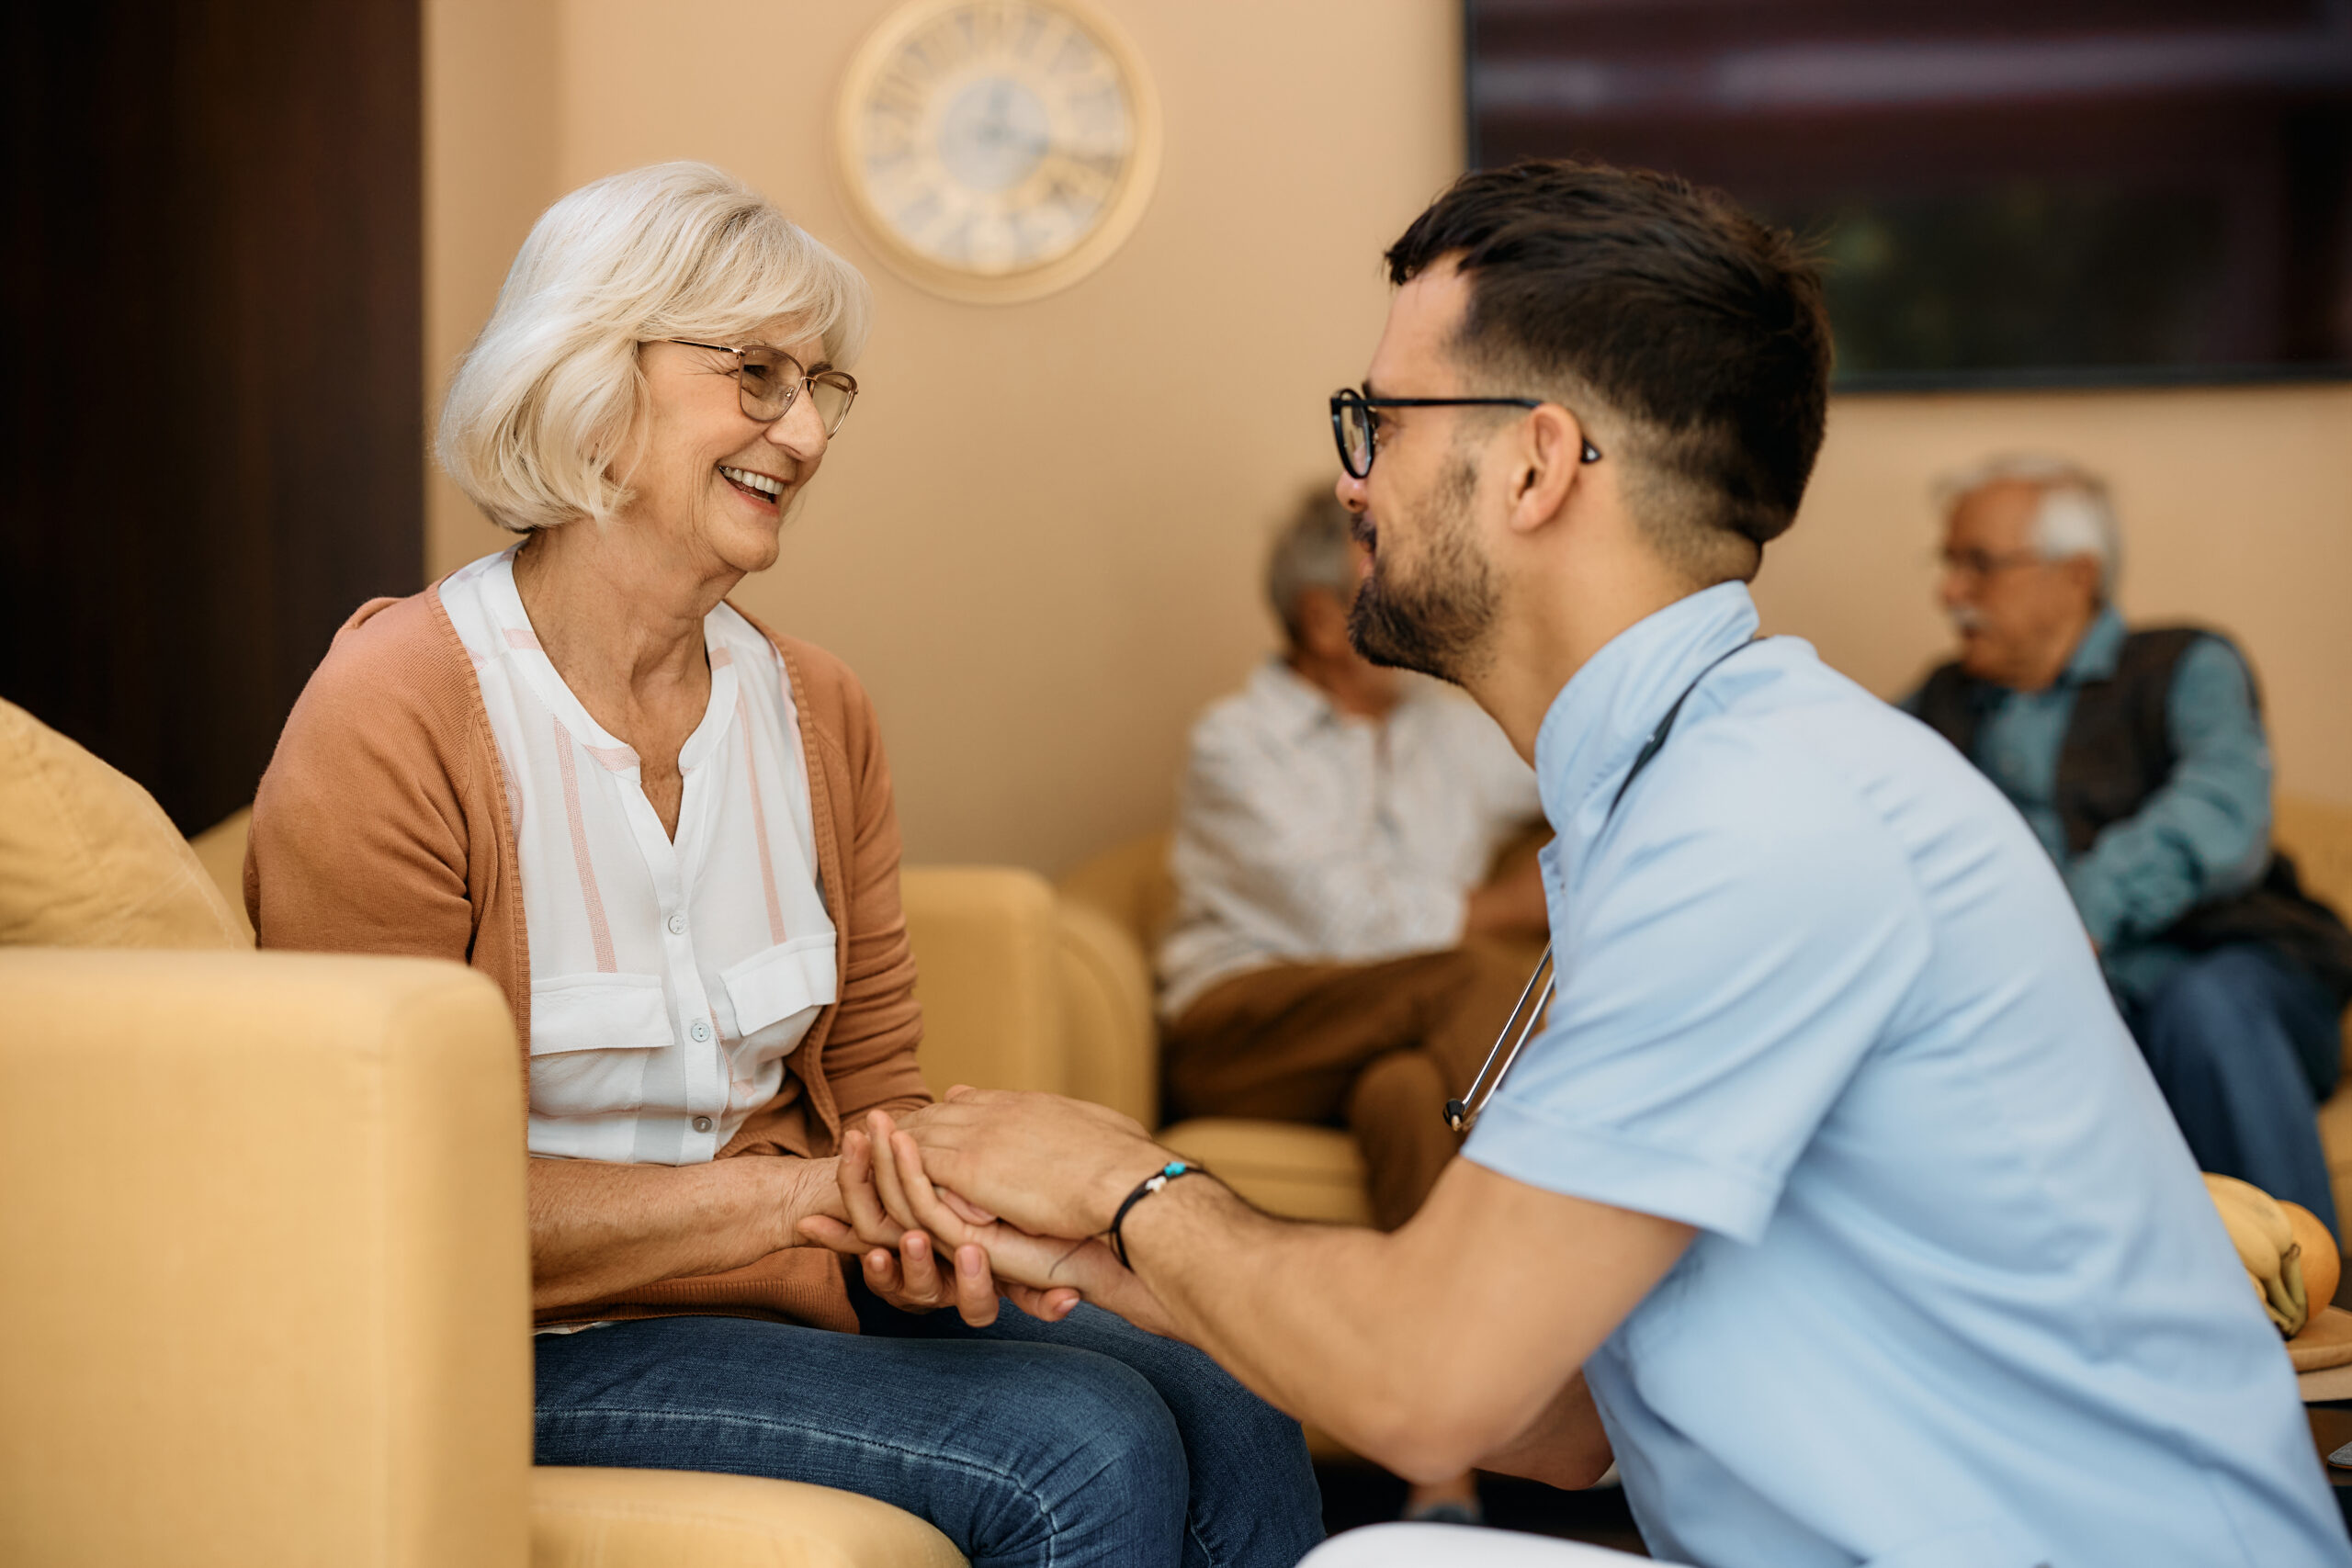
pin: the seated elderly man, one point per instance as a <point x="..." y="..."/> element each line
<point x="1335" y="823"/>
<point x="2138" y="759"/>
<point x="1328" y="960"/>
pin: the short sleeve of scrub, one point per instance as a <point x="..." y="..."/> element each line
<point x="1727" y="960"/>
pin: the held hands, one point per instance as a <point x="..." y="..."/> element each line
<point x="1039" y="1262"/>
<point x="901" y="1263"/>
<point x="1049" y="1166"/>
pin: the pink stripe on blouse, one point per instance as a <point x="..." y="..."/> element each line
<point x="759" y="822"/>
<point x="599" y="932"/>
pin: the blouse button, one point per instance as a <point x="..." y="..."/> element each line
<point x="702" y="1123"/>
<point x="677" y="925"/>
<point x="700" y="1030"/>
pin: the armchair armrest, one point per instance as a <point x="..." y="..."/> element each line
<point x="263" y="1272"/>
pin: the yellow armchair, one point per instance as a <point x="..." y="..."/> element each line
<point x="263" y="1268"/>
<point x="264" y="1288"/>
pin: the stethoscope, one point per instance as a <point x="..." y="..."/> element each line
<point x="1462" y="1114"/>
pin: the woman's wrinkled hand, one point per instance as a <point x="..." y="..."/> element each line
<point x="904" y="1265"/>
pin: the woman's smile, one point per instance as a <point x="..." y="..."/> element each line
<point x="764" y="490"/>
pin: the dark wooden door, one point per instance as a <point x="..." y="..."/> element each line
<point x="212" y="441"/>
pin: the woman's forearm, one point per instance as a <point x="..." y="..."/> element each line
<point x="598" y="1229"/>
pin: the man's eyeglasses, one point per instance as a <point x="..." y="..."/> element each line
<point x="770" y="381"/>
<point x="1982" y="564"/>
<point x="1355" y="419"/>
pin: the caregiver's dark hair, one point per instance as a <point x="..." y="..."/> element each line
<point x="1633" y="295"/>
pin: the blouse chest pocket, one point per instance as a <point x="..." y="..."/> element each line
<point x="593" y="1040"/>
<point x="776" y="993"/>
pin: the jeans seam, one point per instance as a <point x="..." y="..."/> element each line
<point x="1021" y="1487"/>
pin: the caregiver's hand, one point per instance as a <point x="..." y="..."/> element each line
<point x="1050" y="1166"/>
<point x="1037" y="1261"/>
<point x="903" y="1265"/>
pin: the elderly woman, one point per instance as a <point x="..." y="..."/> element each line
<point x="666" y="833"/>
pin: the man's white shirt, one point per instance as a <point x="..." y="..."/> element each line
<point x="1306" y="835"/>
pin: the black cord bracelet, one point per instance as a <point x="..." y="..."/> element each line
<point x="1144" y="1189"/>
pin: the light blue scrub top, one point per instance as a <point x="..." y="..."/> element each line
<point x="1958" y="1299"/>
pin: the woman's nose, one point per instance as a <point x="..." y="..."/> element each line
<point x="800" y="429"/>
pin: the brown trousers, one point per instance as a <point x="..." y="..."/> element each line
<point x="1377" y="1048"/>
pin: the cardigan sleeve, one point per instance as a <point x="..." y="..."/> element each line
<point x="359" y="840"/>
<point x="870" y="1054"/>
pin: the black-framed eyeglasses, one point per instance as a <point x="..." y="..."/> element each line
<point x="1355" y="419"/>
<point x="770" y="382"/>
<point x="1983" y="564"/>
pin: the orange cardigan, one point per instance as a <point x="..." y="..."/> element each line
<point x="382" y="825"/>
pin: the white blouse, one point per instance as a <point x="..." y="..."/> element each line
<point x="669" y="979"/>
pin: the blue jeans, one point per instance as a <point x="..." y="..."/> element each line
<point x="1083" y="1442"/>
<point x="2235" y="1038"/>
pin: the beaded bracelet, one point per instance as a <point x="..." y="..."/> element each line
<point x="1144" y="1189"/>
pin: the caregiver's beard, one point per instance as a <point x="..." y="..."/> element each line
<point x="1438" y="623"/>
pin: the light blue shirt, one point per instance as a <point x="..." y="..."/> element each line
<point x="2206" y="834"/>
<point x="1958" y="1299"/>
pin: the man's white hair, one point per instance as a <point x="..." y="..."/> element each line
<point x="539" y="412"/>
<point x="2076" y="517"/>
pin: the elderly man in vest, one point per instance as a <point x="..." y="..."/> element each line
<point x="2138" y="757"/>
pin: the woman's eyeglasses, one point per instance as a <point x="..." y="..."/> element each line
<point x="770" y="381"/>
<point x="1355" y="419"/>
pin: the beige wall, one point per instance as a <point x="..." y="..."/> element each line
<point x="493" y="70"/>
<point x="1037" y="539"/>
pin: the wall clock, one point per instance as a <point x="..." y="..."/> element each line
<point x="997" y="149"/>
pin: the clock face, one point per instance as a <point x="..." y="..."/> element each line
<point x="996" y="148"/>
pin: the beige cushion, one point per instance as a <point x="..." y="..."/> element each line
<point x="87" y="859"/>
<point x="684" y="1518"/>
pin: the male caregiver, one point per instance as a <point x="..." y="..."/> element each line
<point x="1833" y="1170"/>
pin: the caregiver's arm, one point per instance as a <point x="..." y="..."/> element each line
<point x="1429" y="1349"/>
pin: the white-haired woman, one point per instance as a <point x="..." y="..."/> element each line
<point x="667" y="834"/>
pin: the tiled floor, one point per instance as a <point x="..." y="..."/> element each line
<point x="1357" y="1495"/>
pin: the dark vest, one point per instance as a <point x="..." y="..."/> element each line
<point x="2116" y="753"/>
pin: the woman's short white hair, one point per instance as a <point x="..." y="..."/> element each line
<point x="2076" y="517"/>
<point x="540" y="407"/>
